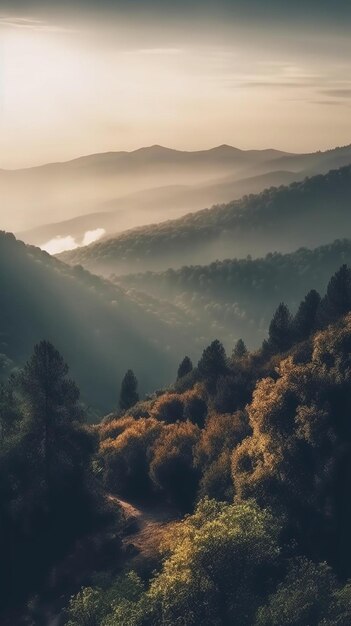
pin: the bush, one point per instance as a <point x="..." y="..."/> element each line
<point x="172" y="466"/>
<point x="213" y="453"/>
<point x="126" y="458"/>
<point x="168" y="408"/>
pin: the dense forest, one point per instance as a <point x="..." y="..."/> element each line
<point x="104" y="328"/>
<point x="237" y="297"/>
<point x="281" y="219"/>
<point x="249" y="450"/>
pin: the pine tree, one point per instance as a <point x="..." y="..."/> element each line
<point x="337" y="301"/>
<point x="305" y="320"/>
<point x="184" y="368"/>
<point x="213" y="362"/>
<point x="129" y="391"/>
<point x="53" y="413"/>
<point x="280" y="329"/>
<point x="48" y="493"/>
<point x="240" y="349"/>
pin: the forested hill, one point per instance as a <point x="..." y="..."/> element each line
<point x="257" y="448"/>
<point x="101" y="330"/>
<point x="308" y="213"/>
<point x="237" y="297"/>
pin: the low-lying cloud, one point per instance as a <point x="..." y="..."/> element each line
<point x="92" y="235"/>
<point x="61" y="244"/>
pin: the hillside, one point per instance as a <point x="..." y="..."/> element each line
<point x="139" y="515"/>
<point x="271" y="429"/>
<point x="308" y="213"/>
<point x="237" y="297"/>
<point x="156" y="204"/>
<point x="100" y="328"/>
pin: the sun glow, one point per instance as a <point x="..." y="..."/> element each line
<point x="65" y="92"/>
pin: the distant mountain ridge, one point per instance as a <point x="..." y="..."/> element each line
<point x="156" y="151"/>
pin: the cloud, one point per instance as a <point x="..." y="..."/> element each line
<point x="61" y="244"/>
<point x="154" y="51"/>
<point x="273" y="84"/>
<point x="92" y="235"/>
<point x="337" y="93"/>
<point x="25" y="23"/>
<point x="330" y="102"/>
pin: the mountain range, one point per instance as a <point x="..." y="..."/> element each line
<point x="116" y="191"/>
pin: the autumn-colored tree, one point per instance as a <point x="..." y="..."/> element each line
<point x="126" y="456"/>
<point x="222" y="435"/>
<point x="169" y="407"/>
<point x="172" y="466"/>
<point x="298" y="458"/>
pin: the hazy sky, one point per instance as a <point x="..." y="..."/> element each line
<point x="91" y="77"/>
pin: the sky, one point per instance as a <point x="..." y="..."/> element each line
<point x="81" y="77"/>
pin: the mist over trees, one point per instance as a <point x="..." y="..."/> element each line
<point x="236" y="297"/>
<point x="282" y="219"/>
<point x="98" y="325"/>
<point x="116" y="191"/>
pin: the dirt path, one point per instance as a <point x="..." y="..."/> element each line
<point x="145" y="526"/>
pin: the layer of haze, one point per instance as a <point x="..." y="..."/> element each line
<point x="84" y="80"/>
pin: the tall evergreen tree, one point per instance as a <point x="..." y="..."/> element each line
<point x="184" y="368"/>
<point x="129" y="391"/>
<point x="337" y="301"/>
<point x="213" y="362"/>
<point x="306" y="317"/>
<point x="47" y="491"/>
<point x="51" y="404"/>
<point x="280" y="329"/>
<point x="240" y="349"/>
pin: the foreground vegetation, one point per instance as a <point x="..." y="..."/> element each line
<point x="252" y="449"/>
